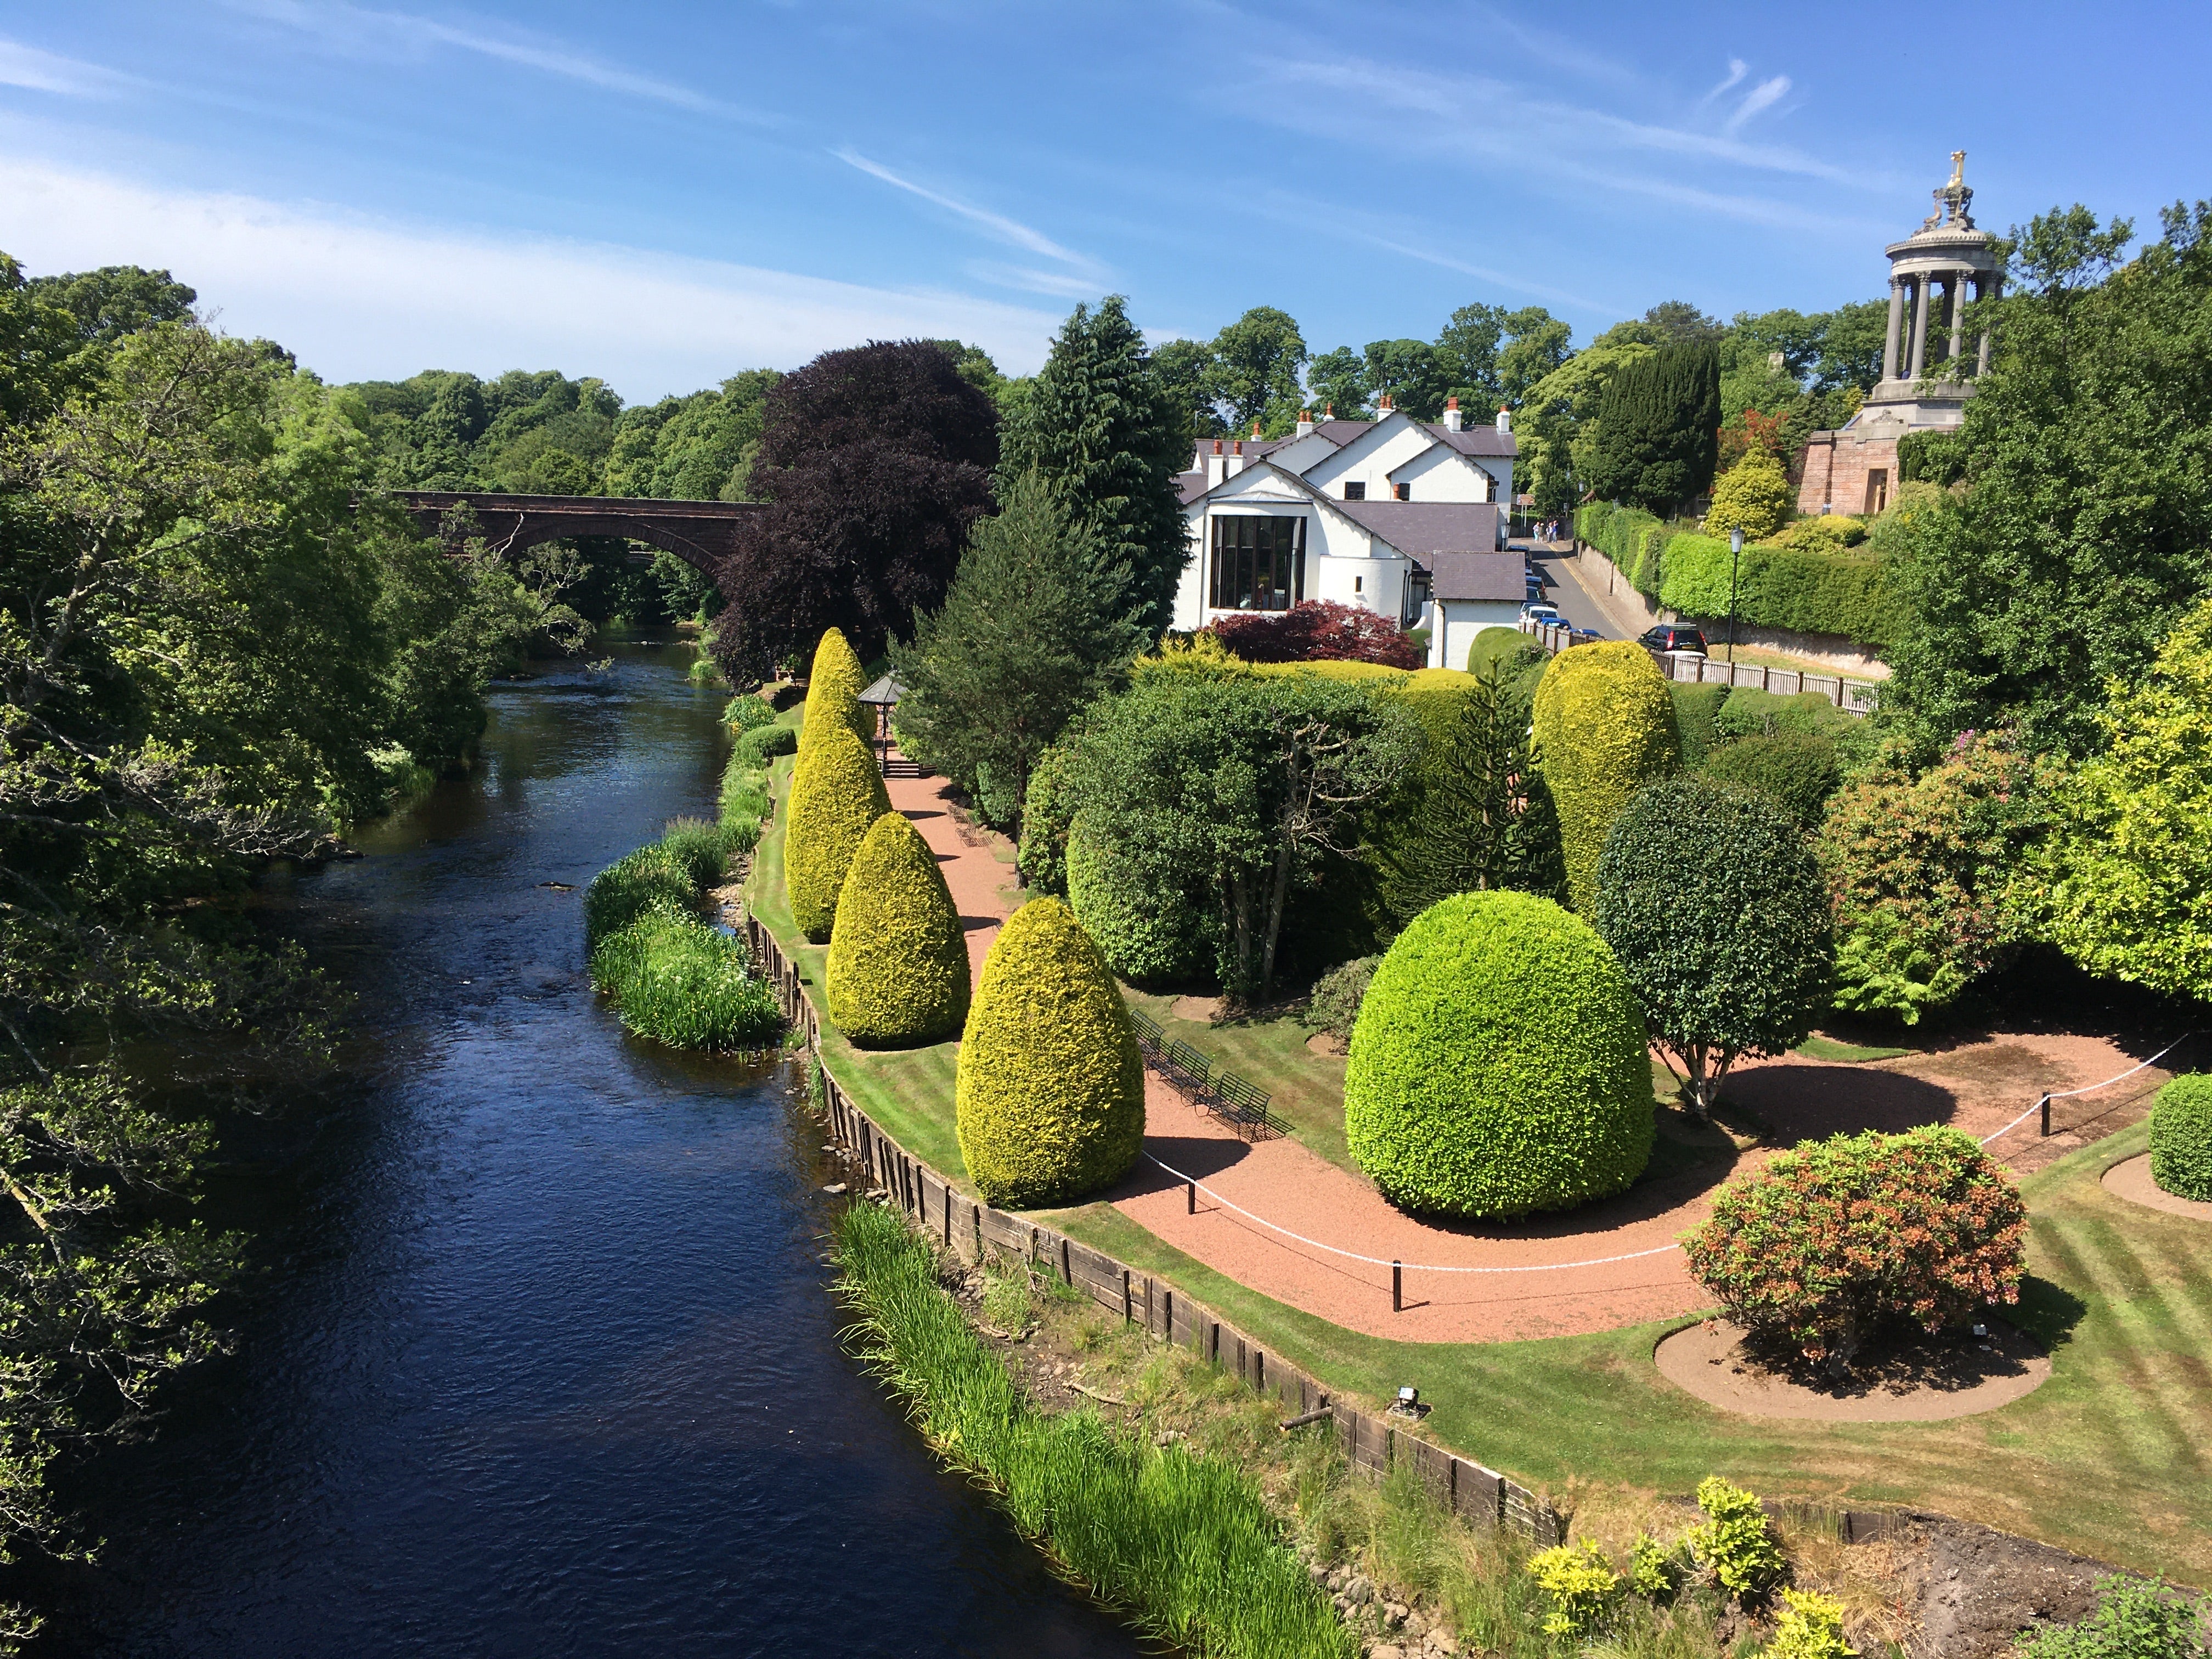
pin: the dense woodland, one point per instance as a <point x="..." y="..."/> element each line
<point x="221" y="644"/>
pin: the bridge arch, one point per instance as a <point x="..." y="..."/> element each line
<point x="701" y="533"/>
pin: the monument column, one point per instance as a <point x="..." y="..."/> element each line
<point x="1958" y="316"/>
<point x="1921" y="297"/>
<point x="1896" y="318"/>
<point x="1995" y="287"/>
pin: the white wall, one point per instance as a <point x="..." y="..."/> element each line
<point x="1369" y="459"/>
<point x="1442" y="474"/>
<point x="1462" y="619"/>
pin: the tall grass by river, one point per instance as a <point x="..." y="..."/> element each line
<point x="1184" y="1542"/>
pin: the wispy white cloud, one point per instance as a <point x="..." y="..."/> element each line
<point x="1737" y="70"/>
<point x="1765" y="95"/>
<point x="1061" y="285"/>
<point x="997" y="225"/>
<point x="38" y="71"/>
<point x="360" y="298"/>
<point x="354" y="29"/>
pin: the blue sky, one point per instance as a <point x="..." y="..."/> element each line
<point x="663" y="194"/>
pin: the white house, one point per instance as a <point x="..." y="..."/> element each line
<point x="1395" y="515"/>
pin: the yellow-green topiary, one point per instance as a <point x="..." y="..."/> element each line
<point x="1753" y="495"/>
<point x="898" y="959"/>
<point x="837" y="793"/>
<point x="834" y="685"/>
<point x="1050" y="1096"/>
<point x="1605" y="727"/>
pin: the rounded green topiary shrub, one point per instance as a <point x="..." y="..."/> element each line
<point x="1498" y="1065"/>
<point x="2181" y="1138"/>
<point x="837" y="793"/>
<point x="1605" y="727"/>
<point x="898" y="959"/>
<point x="1050" y="1095"/>
<point x="834" y="685"/>
<point x="1795" y="770"/>
<point x="1131" y="901"/>
<point x="758" y="747"/>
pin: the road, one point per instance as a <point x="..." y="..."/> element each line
<point x="1563" y="588"/>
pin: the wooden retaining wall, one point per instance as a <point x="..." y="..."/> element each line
<point x="1373" y="1444"/>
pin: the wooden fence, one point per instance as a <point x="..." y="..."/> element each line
<point x="1373" y="1444"/>
<point x="1852" y="696"/>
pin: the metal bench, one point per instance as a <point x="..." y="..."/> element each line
<point x="1187" y="1069"/>
<point x="1244" y="1105"/>
<point x="1149" y="1034"/>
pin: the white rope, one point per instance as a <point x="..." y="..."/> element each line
<point x="1410" y="1267"/>
<point x="2089" y="1088"/>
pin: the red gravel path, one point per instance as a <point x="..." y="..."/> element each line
<point x="1977" y="1086"/>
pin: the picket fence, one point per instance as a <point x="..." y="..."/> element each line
<point x="1372" y="1444"/>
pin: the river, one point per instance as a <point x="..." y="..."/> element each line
<point x="538" y="1358"/>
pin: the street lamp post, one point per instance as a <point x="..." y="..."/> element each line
<point x="1735" y="556"/>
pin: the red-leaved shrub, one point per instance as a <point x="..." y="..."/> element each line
<point x="1833" y="1241"/>
<point x="1317" y="631"/>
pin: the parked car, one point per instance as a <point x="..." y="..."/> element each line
<point x="1539" y="612"/>
<point x="1672" y="637"/>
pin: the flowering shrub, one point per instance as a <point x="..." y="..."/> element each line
<point x="1829" y="1243"/>
<point x="1318" y="630"/>
<point x="1734" y="1540"/>
<point x="1581" y="1584"/>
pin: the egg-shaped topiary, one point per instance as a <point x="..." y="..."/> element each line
<point x="2181" y="1138"/>
<point x="1050" y="1095"/>
<point x="837" y="793"/>
<point x="834" y="685"/>
<point x="1605" y="727"/>
<point x="1498" y="1064"/>
<point x="898" y="959"/>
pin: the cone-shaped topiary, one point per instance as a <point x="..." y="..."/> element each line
<point x="898" y="960"/>
<point x="834" y="685"/>
<point x="1605" y="727"/>
<point x="837" y="793"/>
<point x="1497" y="1064"/>
<point x="1050" y="1096"/>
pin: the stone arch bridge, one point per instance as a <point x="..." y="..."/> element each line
<point x="701" y="533"/>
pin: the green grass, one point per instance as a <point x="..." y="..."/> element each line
<point x="1185" y="1542"/>
<point x="684" y="983"/>
<point x="2109" y="1457"/>
<point x="1306" y="1089"/>
<point x="1820" y="1048"/>
<point x="647" y="879"/>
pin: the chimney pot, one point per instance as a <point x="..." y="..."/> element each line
<point x="1383" y="405"/>
<point x="1328" y="411"/>
<point x="1305" y="422"/>
<point x="1255" y="432"/>
<point x="1453" y="419"/>
<point x="1504" y="418"/>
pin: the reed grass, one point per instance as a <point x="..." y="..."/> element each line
<point x="684" y="983"/>
<point x="634" y="884"/>
<point x="1185" y="1544"/>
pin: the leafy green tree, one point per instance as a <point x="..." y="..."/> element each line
<point x="2085" y="529"/>
<point x="1412" y="373"/>
<point x="1338" y="379"/>
<point x="1184" y="368"/>
<point x="1755" y="497"/>
<point x="1255" y="365"/>
<point x="1657" y="429"/>
<point x="1101" y="430"/>
<point x="1712" y="900"/>
<point x="1604" y="727"/>
<point x="1537" y="346"/>
<point x="1678" y="322"/>
<point x="698" y="449"/>
<point x="1557" y="415"/>
<point x="1032" y="630"/>
<point x="1467" y="349"/>
<point x="2130" y="866"/>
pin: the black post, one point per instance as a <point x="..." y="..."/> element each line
<point x="1190" y="1198"/>
<point x="1397" y="1287"/>
<point x="2045" y="1104"/>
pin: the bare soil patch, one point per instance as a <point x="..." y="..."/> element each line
<point x="1329" y="1045"/>
<point x="2131" y="1179"/>
<point x="1204" y="1011"/>
<point x="1921" y="1381"/>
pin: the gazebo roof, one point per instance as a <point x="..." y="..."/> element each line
<point x="886" y="690"/>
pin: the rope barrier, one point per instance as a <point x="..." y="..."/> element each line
<point x="2043" y="1104"/>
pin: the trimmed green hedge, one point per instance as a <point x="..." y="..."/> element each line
<point x="898" y="958"/>
<point x="1795" y="770"/>
<point x="684" y="983"/>
<point x="1499" y="1064"/>
<point x="836" y="793"/>
<point x="762" y="744"/>
<point x="1049" y="1098"/>
<point x="1632" y="538"/>
<point x="1605" y="727"/>
<point x="1697" y="712"/>
<point x="2181" y="1138"/>
<point x="834" y="685"/>
<point x="1845" y="593"/>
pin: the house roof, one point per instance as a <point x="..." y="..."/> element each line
<point x="1421" y="528"/>
<point x="1476" y="576"/>
<point x="1475" y="440"/>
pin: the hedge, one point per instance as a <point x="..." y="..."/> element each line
<point x="1628" y="536"/>
<point x="1697" y="710"/>
<point x="1499" y="1064"/>
<point x="1845" y="593"/>
<point x="834" y="685"/>
<point x="1507" y="647"/>
<point x="1824" y="1246"/>
<point x="1133" y="904"/>
<point x="2181" y="1138"/>
<point x="1605" y="727"/>
<point x="837" y="793"/>
<point x="898" y="956"/>
<point x="1797" y="770"/>
<point x="1049" y="1096"/>
<point x="758" y="747"/>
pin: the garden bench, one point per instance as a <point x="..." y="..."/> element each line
<point x="1187" y="1069"/>
<point x="1149" y="1034"/>
<point x="1244" y="1105"/>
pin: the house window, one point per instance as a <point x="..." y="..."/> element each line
<point x="1357" y="583"/>
<point x="1355" y="492"/>
<point x="1404" y="492"/>
<point x="1258" y="564"/>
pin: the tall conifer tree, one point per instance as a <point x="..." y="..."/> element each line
<point x="1109" y="440"/>
<point x="1659" y="428"/>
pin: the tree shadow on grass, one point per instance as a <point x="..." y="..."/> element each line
<point x="2047" y="1312"/>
